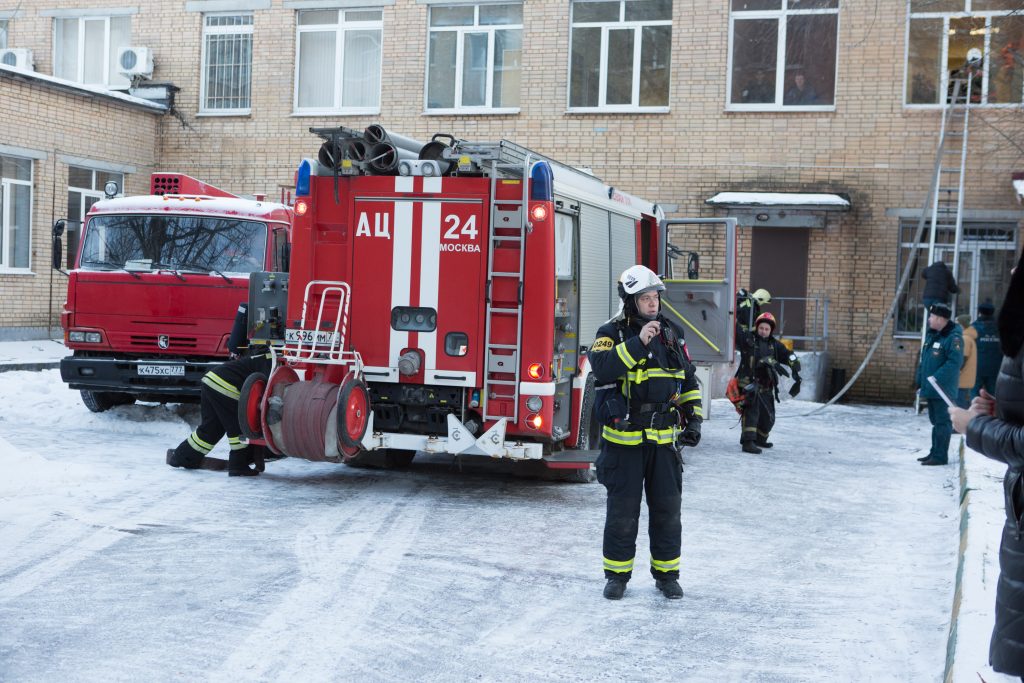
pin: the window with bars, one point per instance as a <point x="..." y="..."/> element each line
<point x="15" y="212"/>
<point x="620" y="55"/>
<point x="85" y="49"/>
<point x="339" y="61"/>
<point x="474" y="57"/>
<point x="227" y="64"/>
<point x="987" y="253"/>
<point x="782" y="54"/>
<point x="940" y="35"/>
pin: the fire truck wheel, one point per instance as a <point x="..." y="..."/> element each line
<point x="250" y="398"/>
<point x="353" y="412"/>
<point x="99" y="401"/>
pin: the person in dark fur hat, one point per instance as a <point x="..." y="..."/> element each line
<point x="995" y="428"/>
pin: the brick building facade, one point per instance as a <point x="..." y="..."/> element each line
<point x="684" y="118"/>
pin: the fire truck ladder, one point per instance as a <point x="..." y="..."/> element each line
<point x="505" y="159"/>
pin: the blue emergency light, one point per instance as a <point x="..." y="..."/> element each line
<point x="302" y="178"/>
<point x="543" y="181"/>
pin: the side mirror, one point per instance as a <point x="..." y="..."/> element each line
<point x="57" y="249"/>
<point x="693" y="266"/>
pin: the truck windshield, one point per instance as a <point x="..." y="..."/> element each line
<point x="185" y="243"/>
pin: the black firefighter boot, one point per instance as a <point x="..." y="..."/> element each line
<point x="670" y="588"/>
<point x="749" y="447"/>
<point x="615" y="588"/>
<point x="184" y="456"/>
<point x="239" y="462"/>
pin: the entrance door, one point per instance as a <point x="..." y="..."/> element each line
<point x="778" y="263"/>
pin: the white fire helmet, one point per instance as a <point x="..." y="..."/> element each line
<point x="637" y="280"/>
<point x="762" y="296"/>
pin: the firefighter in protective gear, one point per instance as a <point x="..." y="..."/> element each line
<point x="219" y="405"/>
<point x="648" y="402"/>
<point x="762" y="359"/>
<point x="748" y="307"/>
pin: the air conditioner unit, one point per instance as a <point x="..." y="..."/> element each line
<point x="135" y="61"/>
<point x="18" y="57"/>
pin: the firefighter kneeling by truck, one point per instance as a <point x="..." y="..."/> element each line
<point x="219" y="409"/>
<point x="649" y="404"/>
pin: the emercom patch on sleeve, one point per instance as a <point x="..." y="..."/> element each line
<point x="603" y="344"/>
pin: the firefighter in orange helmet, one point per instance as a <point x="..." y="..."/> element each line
<point x="648" y="401"/>
<point x="762" y="359"/>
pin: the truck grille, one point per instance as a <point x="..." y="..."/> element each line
<point x="148" y="342"/>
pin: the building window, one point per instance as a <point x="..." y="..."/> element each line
<point x="15" y="212"/>
<point x="782" y="54"/>
<point x="3" y="34"/>
<point x="85" y="188"/>
<point x="621" y="55"/>
<point x="474" y="57"/>
<point x="85" y="49"/>
<point x="227" y="63"/>
<point x="338" y="66"/>
<point x="987" y="253"/>
<point x="939" y="37"/>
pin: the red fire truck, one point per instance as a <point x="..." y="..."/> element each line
<point x="155" y="284"/>
<point x="448" y="308"/>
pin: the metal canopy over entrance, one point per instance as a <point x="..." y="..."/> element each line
<point x="780" y="209"/>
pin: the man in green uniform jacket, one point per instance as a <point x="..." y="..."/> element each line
<point x="941" y="358"/>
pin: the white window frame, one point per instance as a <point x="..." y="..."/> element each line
<point x="5" y="219"/>
<point x="460" y="32"/>
<point x="944" y="58"/>
<point x="4" y="29"/>
<point x="238" y="30"/>
<point x="780" y="15"/>
<point x="341" y="28"/>
<point x="605" y="27"/>
<point x="111" y="79"/>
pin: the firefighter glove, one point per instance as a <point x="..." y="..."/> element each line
<point x="781" y="369"/>
<point x="795" y="389"/>
<point x="690" y="436"/>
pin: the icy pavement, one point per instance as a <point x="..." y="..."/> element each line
<point x="830" y="557"/>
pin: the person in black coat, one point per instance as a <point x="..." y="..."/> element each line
<point x="995" y="428"/>
<point x="940" y="284"/>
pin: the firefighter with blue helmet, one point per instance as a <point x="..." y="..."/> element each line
<point x="648" y="404"/>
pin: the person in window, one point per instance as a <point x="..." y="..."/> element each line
<point x="994" y="427"/>
<point x="802" y="92"/>
<point x="648" y="402"/>
<point x="219" y="407"/>
<point x="760" y="90"/>
<point x="940" y="285"/>
<point x="762" y="359"/>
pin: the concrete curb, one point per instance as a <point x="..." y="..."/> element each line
<point x="965" y="498"/>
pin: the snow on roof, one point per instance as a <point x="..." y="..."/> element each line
<point x="223" y="206"/>
<point x="82" y="88"/>
<point x="779" y="199"/>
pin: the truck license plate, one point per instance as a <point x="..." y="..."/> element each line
<point x="162" y="370"/>
<point x="310" y="337"/>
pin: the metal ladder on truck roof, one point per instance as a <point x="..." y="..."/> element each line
<point x="947" y="196"/>
<point x="503" y="358"/>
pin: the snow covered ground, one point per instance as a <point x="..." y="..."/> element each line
<point x="831" y="557"/>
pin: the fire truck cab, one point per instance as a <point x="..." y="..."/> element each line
<point x="447" y="309"/>
<point x="154" y="286"/>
